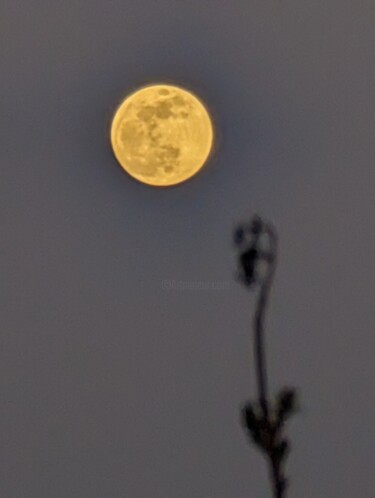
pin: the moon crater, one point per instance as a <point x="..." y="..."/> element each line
<point x="162" y="135"/>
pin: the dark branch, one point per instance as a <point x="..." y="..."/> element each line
<point x="264" y="420"/>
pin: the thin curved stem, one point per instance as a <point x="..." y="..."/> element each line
<point x="259" y="349"/>
<point x="260" y="358"/>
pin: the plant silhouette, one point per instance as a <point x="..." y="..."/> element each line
<point x="264" y="419"/>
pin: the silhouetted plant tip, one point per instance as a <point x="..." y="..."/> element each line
<point x="286" y="404"/>
<point x="264" y="419"/>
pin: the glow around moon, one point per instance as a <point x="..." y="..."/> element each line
<point x="162" y="135"/>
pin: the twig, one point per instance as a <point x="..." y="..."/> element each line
<point x="264" y="420"/>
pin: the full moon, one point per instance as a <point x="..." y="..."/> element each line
<point x="162" y="135"/>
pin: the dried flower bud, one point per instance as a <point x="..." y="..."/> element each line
<point x="286" y="403"/>
<point x="248" y="260"/>
<point x="253" y="424"/>
<point x="249" y="416"/>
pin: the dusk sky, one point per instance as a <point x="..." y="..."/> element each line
<point x="115" y="381"/>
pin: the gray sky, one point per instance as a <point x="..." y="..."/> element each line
<point x="112" y="386"/>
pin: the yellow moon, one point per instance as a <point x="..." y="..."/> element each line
<point x="162" y="135"/>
